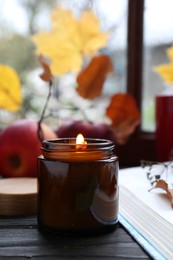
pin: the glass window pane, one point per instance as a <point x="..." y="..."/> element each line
<point x="20" y="19"/>
<point x="158" y="36"/>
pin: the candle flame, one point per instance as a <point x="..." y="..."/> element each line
<point x="80" y="142"/>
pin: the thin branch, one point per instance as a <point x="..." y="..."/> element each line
<point x="40" y="131"/>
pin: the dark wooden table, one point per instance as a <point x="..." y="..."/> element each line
<point x="21" y="239"/>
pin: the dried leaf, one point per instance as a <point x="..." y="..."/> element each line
<point x="124" y="130"/>
<point x="92" y="39"/>
<point x="121" y="107"/>
<point x="70" y="40"/>
<point x="166" y="72"/>
<point x="125" y="116"/>
<point x="164" y="186"/>
<point x="46" y="75"/>
<point x="10" y="89"/>
<point x="169" y="53"/>
<point x="91" y="79"/>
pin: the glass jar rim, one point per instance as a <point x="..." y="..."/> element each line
<point x="70" y="144"/>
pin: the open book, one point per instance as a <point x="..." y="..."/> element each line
<point x="148" y="216"/>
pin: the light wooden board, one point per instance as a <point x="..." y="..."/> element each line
<point x="18" y="196"/>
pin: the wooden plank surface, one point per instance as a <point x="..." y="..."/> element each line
<point x="20" y="239"/>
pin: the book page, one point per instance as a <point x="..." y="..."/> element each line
<point x="135" y="180"/>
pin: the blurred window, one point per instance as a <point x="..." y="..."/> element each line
<point x="158" y="36"/>
<point x="20" y="19"/>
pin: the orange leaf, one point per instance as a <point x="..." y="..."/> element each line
<point x="164" y="186"/>
<point x="91" y="79"/>
<point x="124" y="114"/>
<point x="124" y="130"/>
<point x="122" y="107"/>
<point x="46" y="75"/>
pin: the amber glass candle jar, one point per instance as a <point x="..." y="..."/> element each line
<point x="77" y="186"/>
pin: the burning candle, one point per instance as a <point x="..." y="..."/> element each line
<point x="77" y="186"/>
<point x="80" y="142"/>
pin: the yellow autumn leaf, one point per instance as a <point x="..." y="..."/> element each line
<point x="170" y="53"/>
<point x="70" y="40"/>
<point x="91" y="37"/>
<point x="166" y="72"/>
<point x="10" y="89"/>
<point x="64" y="23"/>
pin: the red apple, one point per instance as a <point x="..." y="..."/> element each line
<point x="87" y="129"/>
<point x="20" y="147"/>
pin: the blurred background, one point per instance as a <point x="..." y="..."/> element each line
<point x="19" y="19"/>
<point x="152" y="32"/>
